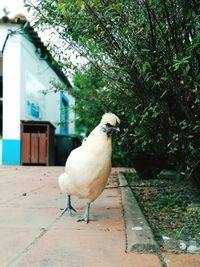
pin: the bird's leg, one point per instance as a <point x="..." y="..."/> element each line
<point x="86" y="216"/>
<point x="68" y="206"/>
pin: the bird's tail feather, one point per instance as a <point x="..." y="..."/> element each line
<point x="62" y="181"/>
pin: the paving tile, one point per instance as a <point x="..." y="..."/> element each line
<point x="26" y="218"/>
<point x="84" y="248"/>
<point x="13" y="241"/>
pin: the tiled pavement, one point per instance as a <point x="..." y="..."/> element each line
<point x="33" y="232"/>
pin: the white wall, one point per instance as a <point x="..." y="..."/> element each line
<point x="11" y="88"/>
<point x="20" y="61"/>
<point x="25" y="74"/>
<point x="53" y="107"/>
<point x="42" y="74"/>
<point x="3" y="35"/>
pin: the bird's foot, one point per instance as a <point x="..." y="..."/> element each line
<point x="68" y="208"/>
<point x="85" y="219"/>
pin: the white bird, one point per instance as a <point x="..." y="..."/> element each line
<point x="88" y="167"/>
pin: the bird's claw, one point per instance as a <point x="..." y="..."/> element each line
<point x="70" y="209"/>
<point x="85" y="219"/>
<point x="82" y="219"/>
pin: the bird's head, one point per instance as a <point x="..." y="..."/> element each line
<point x="109" y="124"/>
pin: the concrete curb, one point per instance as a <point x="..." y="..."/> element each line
<point x="139" y="237"/>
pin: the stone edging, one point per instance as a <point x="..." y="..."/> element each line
<point x="139" y="237"/>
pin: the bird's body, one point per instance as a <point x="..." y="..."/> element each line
<point x="88" y="167"/>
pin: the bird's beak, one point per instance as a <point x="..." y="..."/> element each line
<point x="112" y="131"/>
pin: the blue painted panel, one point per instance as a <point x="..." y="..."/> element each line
<point x="11" y="151"/>
<point x="64" y="103"/>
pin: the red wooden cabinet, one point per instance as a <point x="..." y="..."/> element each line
<point x="37" y="143"/>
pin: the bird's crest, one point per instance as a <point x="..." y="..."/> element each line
<point x="110" y="118"/>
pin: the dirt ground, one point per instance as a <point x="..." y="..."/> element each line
<point x="172" y="207"/>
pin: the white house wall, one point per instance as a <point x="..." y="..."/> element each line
<point x="53" y="106"/>
<point x="11" y="100"/>
<point x="40" y="72"/>
<point x="23" y="68"/>
<point x="3" y="35"/>
<point x="37" y="73"/>
<point x="11" y="88"/>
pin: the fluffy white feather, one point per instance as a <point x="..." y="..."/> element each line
<point x="88" y="167"/>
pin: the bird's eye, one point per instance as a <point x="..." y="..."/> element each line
<point x="108" y="125"/>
